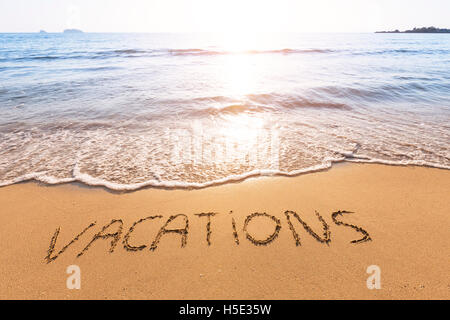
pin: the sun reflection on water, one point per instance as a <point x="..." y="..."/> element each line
<point x="243" y="134"/>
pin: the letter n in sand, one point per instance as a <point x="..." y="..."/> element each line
<point x="326" y="229"/>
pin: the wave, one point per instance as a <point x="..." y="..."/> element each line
<point x="137" y="53"/>
<point x="407" y="91"/>
<point x="201" y="52"/>
<point x="123" y="187"/>
<point x="234" y="109"/>
<point x="79" y="55"/>
<point x="295" y="102"/>
<point x="286" y="51"/>
<point x="110" y="68"/>
<point x="251" y="103"/>
<point x="402" y="51"/>
<point x="127" y="51"/>
<point x="257" y="103"/>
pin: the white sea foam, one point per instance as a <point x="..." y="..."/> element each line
<point x="98" y="182"/>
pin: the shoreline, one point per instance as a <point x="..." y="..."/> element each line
<point x="403" y="210"/>
<point x="216" y="183"/>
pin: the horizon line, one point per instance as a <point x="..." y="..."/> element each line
<point x="179" y="32"/>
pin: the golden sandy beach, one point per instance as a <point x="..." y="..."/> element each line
<point x="404" y="211"/>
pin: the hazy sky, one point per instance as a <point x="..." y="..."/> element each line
<point x="222" y="15"/>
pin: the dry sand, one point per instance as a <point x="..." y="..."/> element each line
<point x="405" y="211"/>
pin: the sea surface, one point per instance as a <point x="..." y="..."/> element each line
<point x="126" y="111"/>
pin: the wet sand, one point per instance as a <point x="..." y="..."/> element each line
<point x="399" y="222"/>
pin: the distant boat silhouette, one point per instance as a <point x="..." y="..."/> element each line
<point x="73" y="31"/>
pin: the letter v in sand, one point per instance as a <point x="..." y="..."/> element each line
<point x="51" y="248"/>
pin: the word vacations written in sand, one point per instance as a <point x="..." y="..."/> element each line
<point x="114" y="231"/>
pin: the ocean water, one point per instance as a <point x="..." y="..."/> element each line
<point x="190" y="110"/>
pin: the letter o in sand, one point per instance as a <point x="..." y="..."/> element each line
<point x="270" y="238"/>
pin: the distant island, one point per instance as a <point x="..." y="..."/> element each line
<point x="419" y="30"/>
<point x="73" y="31"/>
<point x="42" y="31"/>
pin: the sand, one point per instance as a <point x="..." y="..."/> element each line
<point x="400" y="214"/>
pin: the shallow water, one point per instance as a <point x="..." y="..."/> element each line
<point x="190" y="110"/>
